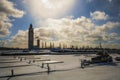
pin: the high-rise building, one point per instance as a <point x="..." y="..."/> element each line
<point x="31" y="38"/>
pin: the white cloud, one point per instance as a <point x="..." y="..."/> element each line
<point x="70" y="28"/>
<point x="106" y="27"/>
<point x="7" y="10"/>
<point x="98" y="15"/>
<point x="49" y="8"/>
<point x="103" y="37"/>
<point x="100" y="33"/>
<point x="110" y="0"/>
<point x="20" y="39"/>
<point x="4" y="28"/>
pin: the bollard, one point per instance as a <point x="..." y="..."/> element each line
<point x="48" y="68"/>
<point x="20" y="59"/>
<point x="29" y="62"/>
<point x="33" y="61"/>
<point x="42" y="65"/>
<point x="12" y="72"/>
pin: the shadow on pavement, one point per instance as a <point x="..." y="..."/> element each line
<point x="37" y="73"/>
<point x="15" y="66"/>
<point x="9" y="61"/>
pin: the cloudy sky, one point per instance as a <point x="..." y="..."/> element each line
<point x="77" y="22"/>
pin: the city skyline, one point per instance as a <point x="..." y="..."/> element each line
<point x="75" y="22"/>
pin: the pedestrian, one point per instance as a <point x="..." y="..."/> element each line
<point x="82" y="64"/>
<point x="20" y="59"/>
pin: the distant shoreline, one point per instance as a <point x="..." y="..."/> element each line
<point x="63" y="53"/>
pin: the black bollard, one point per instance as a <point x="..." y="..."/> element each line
<point x="12" y="72"/>
<point x="42" y="65"/>
<point x="29" y="62"/>
<point x="20" y="59"/>
<point x="48" y="68"/>
<point x="33" y="61"/>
